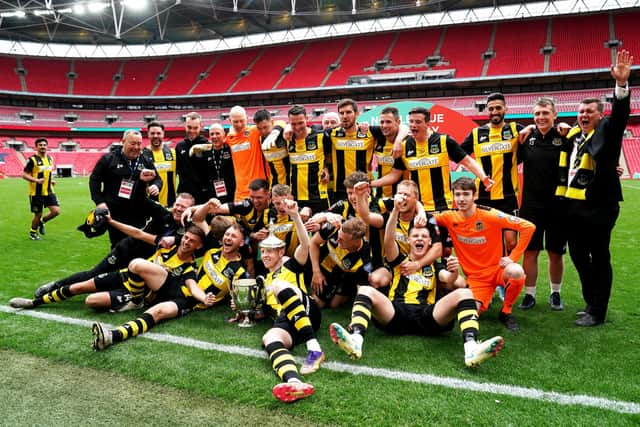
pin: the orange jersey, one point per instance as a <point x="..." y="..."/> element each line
<point x="248" y="161"/>
<point x="478" y="241"/>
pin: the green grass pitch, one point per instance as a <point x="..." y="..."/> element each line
<point x="52" y="377"/>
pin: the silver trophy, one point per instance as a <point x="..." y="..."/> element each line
<point x="248" y="295"/>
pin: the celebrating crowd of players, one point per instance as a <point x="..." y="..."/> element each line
<point x="349" y="214"/>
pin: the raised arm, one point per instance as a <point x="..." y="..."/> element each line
<point x="362" y="190"/>
<point x="134" y="232"/>
<point x="391" y="250"/>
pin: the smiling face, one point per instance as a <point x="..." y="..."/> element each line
<point x="544" y="116"/>
<point x="589" y="116"/>
<point x="389" y="125"/>
<point x="232" y="240"/>
<point x="132" y="145"/>
<point x="179" y="206"/>
<point x="420" y="242"/>
<point x="216" y="135"/>
<point x="190" y="243"/>
<point x="271" y="257"/>
<point x="298" y="123"/>
<point x="238" y="120"/>
<point x="496" y="110"/>
<point x="192" y="127"/>
<point x="156" y="136"/>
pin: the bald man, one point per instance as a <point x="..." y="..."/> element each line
<point x="246" y="151"/>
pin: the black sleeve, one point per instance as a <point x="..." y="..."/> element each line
<point x="29" y="166"/>
<point x="376" y="132"/>
<point x="467" y="144"/>
<point x="96" y="179"/>
<point x="456" y="153"/>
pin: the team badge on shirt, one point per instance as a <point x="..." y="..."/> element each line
<point x="556" y="142"/>
<point x="479" y="226"/>
<point x="434" y="148"/>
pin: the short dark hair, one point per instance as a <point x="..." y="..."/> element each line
<point x="464" y="183"/>
<point x="421" y="110"/>
<point x="354" y="178"/>
<point x="597" y="101"/>
<point x="496" y="96"/>
<point x="297" y="110"/>
<point x="261" y="115"/>
<point x="348" y="101"/>
<point x="39" y="140"/>
<point x="545" y="101"/>
<point x="155" y="124"/>
<point x="194" y="229"/>
<point x="391" y="110"/>
<point x="259" y="184"/>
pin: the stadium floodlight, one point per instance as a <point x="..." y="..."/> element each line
<point x="79" y="9"/>
<point x="43" y="12"/>
<point x="96" y="7"/>
<point x="15" y="14"/>
<point x="136" y="5"/>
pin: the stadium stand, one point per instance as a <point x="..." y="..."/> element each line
<point x="139" y="77"/>
<point x="517" y="48"/>
<point x="9" y="80"/>
<point x="312" y="67"/>
<point x="94" y="77"/>
<point x="47" y="75"/>
<point x="183" y="74"/>
<point x="361" y="53"/>
<point x="12" y="162"/>
<point x="412" y="48"/>
<point x="465" y="57"/>
<point x="631" y="150"/>
<point x="226" y="71"/>
<point x="268" y="69"/>
<point x="626" y="30"/>
<point x="571" y="52"/>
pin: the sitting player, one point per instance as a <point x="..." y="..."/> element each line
<point x="124" y="289"/>
<point x="411" y="306"/>
<point x="476" y="230"/>
<point x="174" y="298"/>
<point x="340" y="260"/>
<point x="297" y="316"/>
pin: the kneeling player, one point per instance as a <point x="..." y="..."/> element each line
<point x="411" y="306"/>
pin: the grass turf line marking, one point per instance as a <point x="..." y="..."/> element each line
<point x="449" y="382"/>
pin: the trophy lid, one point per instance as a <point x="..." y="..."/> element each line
<point x="272" y="242"/>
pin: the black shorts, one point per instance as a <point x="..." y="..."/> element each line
<point x="507" y="205"/>
<point x="282" y="322"/>
<point x="414" y="319"/>
<point x="119" y="298"/>
<point x="39" y="202"/>
<point x="340" y="283"/>
<point x="111" y="281"/>
<point x="551" y="226"/>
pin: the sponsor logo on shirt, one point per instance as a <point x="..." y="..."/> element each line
<point x="302" y="158"/>
<point x="423" y="162"/>
<point x="480" y="240"/>
<point x="243" y="146"/>
<point x="496" y="147"/>
<point x="349" y="144"/>
<point x="384" y="160"/>
<point x="272" y="155"/>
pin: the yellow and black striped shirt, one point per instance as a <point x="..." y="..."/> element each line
<point x="306" y="157"/>
<point x="40" y="167"/>
<point x="350" y="152"/>
<point x="496" y="150"/>
<point x="216" y="273"/>
<point x="428" y="165"/>
<point x="293" y="273"/>
<point x="277" y="158"/>
<point x="333" y="257"/>
<point x="165" y="162"/>
<point x="417" y="288"/>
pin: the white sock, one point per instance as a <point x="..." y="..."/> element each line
<point x="357" y="338"/>
<point x="469" y="346"/>
<point x="531" y="290"/>
<point x="555" y="287"/>
<point x="313" y="345"/>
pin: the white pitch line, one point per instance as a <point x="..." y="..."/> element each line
<point x="449" y="382"/>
